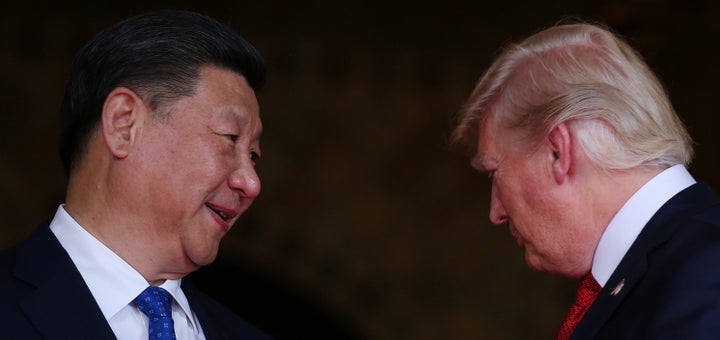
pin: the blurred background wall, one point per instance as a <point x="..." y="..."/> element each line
<point x="368" y="227"/>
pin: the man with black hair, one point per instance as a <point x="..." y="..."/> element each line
<point x="160" y="132"/>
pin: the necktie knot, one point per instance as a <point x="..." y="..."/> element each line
<point x="587" y="291"/>
<point x="156" y="303"/>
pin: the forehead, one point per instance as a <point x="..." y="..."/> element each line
<point x="225" y="87"/>
<point x="223" y="95"/>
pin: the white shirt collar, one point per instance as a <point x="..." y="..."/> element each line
<point x="632" y="217"/>
<point x="112" y="281"/>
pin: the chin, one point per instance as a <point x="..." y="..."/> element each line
<point x="540" y="266"/>
<point x="205" y="261"/>
<point x="203" y="258"/>
<point x="535" y="263"/>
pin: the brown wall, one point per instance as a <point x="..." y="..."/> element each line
<point x="364" y="211"/>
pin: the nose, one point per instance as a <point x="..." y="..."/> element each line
<point x="245" y="180"/>
<point x="498" y="215"/>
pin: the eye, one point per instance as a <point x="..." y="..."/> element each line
<point x="254" y="156"/>
<point x="231" y="137"/>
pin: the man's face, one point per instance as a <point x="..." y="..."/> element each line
<point x="197" y="167"/>
<point x="539" y="212"/>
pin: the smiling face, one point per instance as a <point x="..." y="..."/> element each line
<point x="195" y="168"/>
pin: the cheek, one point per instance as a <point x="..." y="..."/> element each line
<point x="197" y="163"/>
<point x="516" y="195"/>
<point x="182" y="178"/>
<point x="528" y="204"/>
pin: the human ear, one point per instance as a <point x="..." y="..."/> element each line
<point x="560" y="143"/>
<point x="121" y="116"/>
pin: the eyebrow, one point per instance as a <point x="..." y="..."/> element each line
<point x="235" y="114"/>
<point x="484" y="163"/>
<point x="241" y="118"/>
<point x="478" y="162"/>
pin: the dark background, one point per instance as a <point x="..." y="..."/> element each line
<point x="368" y="226"/>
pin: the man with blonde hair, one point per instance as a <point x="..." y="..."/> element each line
<point x="588" y="160"/>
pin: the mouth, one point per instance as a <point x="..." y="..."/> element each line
<point x="519" y="241"/>
<point x="224" y="213"/>
<point x="517" y="237"/>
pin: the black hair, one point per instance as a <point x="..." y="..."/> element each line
<point x="156" y="54"/>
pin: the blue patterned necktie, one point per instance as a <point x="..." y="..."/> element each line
<point x="156" y="303"/>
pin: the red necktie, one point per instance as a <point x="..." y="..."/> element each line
<point x="586" y="294"/>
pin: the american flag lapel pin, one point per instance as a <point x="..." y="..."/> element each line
<point x="618" y="288"/>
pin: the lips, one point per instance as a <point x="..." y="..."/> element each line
<point x="226" y="214"/>
<point x="519" y="241"/>
<point x="516" y="236"/>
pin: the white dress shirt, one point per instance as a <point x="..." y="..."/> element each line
<point x="114" y="284"/>
<point x="630" y="220"/>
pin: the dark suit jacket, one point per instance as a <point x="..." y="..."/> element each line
<point x="43" y="295"/>
<point x="670" y="275"/>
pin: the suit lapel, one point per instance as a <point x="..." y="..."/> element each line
<point x="61" y="303"/>
<point x="634" y="264"/>
<point x="198" y="307"/>
<point x="622" y="282"/>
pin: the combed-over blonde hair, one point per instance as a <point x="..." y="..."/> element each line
<point x="587" y="77"/>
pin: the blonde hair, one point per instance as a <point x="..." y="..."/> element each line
<point x="585" y="76"/>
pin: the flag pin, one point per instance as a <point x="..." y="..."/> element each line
<point x="618" y="288"/>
